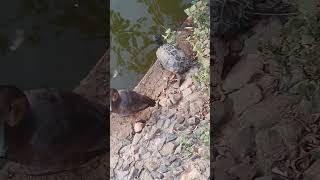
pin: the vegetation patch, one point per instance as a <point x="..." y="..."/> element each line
<point x="299" y="49"/>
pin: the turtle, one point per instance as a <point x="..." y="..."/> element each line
<point x="126" y="102"/>
<point x="50" y="130"/>
<point x="173" y="60"/>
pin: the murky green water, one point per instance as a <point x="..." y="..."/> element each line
<point x="50" y="43"/>
<point x="133" y="23"/>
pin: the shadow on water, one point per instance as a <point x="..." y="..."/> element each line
<point x="133" y="25"/>
<point x="51" y="43"/>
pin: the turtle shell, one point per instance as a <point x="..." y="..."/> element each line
<point x="173" y="59"/>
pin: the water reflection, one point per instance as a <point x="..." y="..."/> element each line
<point x="50" y="43"/>
<point x="132" y="29"/>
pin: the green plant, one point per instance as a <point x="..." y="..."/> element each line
<point x="200" y="40"/>
<point x="299" y="48"/>
<point x="186" y="145"/>
<point x="170" y="36"/>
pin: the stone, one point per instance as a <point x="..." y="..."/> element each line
<point x="157" y="175"/>
<point x="159" y="142"/>
<point x="242" y="141"/>
<point x="138" y="126"/>
<point x="175" y="98"/>
<point x="177" y="162"/>
<point x="196" y="107"/>
<point x="186" y="84"/>
<point x="264" y="178"/>
<point x="170" y="137"/>
<point x="268" y="84"/>
<point x="166" y="124"/>
<point x="163" y="169"/>
<point x="145" y="175"/>
<point x="163" y="102"/>
<point x="122" y="174"/>
<point x="133" y="173"/>
<point x="154" y="130"/>
<point x="221" y="166"/>
<point x="270" y="148"/>
<point x="222" y="111"/>
<point x="245" y="97"/>
<point x="192" y="121"/>
<point x="152" y="164"/>
<point x="160" y="123"/>
<point x="167" y="149"/>
<point x="136" y="139"/>
<point x="146" y="155"/>
<point x="178" y="149"/>
<point x="243" y="171"/>
<point x="313" y="172"/>
<point x="267" y="113"/>
<point x="242" y="72"/>
<point x="186" y="92"/>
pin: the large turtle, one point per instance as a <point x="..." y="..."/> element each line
<point x="173" y="59"/>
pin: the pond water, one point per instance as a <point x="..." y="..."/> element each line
<point x="50" y="43"/>
<point x="133" y="24"/>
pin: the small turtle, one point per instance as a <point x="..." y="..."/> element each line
<point x="173" y="59"/>
<point x="126" y="102"/>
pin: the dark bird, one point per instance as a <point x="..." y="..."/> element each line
<point x="50" y="129"/>
<point x="126" y="102"/>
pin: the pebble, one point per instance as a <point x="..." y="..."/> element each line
<point x="166" y="124"/>
<point x="133" y="173"/>
<point x="152" y="164"/>
<point x="157" y="175"/>
<point x="186" y="92"/>
<point x="175" y="98"/>
<point x="136" y="139"/>
<point x="178" y="149"/>
<point x="146" y="155"/>
<point x="163" y="169"/>
<point x="145" y="175"/>
<point x="187" y="83"/>
<point x="192" y="121"/>
<point x="167" y="149"/>
<point x="171" y="137"/>
<point x="138" y="126"/>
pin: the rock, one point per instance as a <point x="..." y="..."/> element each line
<point x="236" y="45"/>
<point x="242" y="72"/>
<point x="163" y="169"/>
<point x="160" y="122"/>
<point x="175" y="98"/>
<point x="313" y="172"/>
<point x="133" y="173"/>
<point x="122" y="174"/>
<point x="146" y="155"/>
<point x="186" y="92"/>
<point x="243" y="171"/>
<point x="242" y="142"/>
<point x="178" y="149"/>
<point x="277" y="171"/>
<point x="170" y="137"/>
<point x="186" y="84"/>
<point x="196" y="107"/>
<point x="264" y="178"/>
<point x="270" y="148"/>
<point x="245" y="97"/>
<point x="222" y="111"/>
<point x="145" y="175"/>
<point x="268" y="84"/>
<point x="221" y="166"/>
<point x="136" y="139"/>
<point x="163" y="102"/>
<point x="154" y="130"/>
<point x="192" y="121"/>
<point x="138" y="126"/>
<point x="152" y="164"/>
<point x="166" y="124"/>
<point x="267" y="113"/>
<point x="167" y="149"/>
<point x="157" y="175"/>
<point x="191" y="173"/>
<point x="177" y="163"/>
<point x="159" y="142"/>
